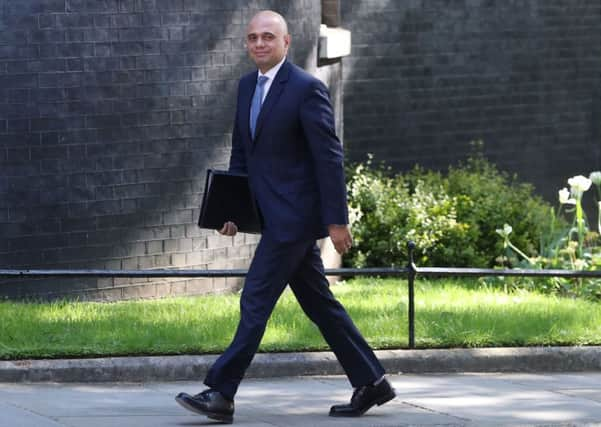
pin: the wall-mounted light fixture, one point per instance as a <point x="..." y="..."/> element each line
<point x="334" y="42"/>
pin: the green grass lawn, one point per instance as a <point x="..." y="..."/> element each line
<point x="448" y="314"/>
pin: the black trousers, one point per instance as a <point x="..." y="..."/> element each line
<point x="298" y="264"/>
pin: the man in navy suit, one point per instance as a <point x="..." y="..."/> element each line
<point x="284" y="139"/>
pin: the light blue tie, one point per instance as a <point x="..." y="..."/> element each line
<point x="255" y="105"/>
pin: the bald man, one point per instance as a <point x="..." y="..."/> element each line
<point x="284" y="139"/>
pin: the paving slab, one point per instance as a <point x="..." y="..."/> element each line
<point x="15" y="416"/>
<point x="468" y="399"/>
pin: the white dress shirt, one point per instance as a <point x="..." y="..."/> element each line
<point x="270" y="74"/>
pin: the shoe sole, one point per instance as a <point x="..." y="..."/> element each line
<point x="226" y="419"/>
<point x="378" y="402"/>
<point x="386" y="398"/>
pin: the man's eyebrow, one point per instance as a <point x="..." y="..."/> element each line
<point x="264" y="33"/>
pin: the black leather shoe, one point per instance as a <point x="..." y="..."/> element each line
<point x="210" y="403"/>
<point x="364" y="398"/>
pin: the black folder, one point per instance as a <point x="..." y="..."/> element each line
<point x="227" y="197"/>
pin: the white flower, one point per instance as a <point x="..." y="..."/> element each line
<point x="595" y="177"/>
<point x="505" y="231"/>
<point x="354" y="215"/>
<point x="580" y="264"/>
<point x="579" y="184"/>
<point x="564" y="197"/>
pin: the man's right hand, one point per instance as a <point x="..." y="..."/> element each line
<point x="341" y="237"/>
<point x="229" y="229"/>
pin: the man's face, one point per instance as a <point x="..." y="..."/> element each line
<point x="267" y="41"/>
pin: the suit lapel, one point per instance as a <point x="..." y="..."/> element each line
<point x="276" y="89"/>
<point x="246" y="93"/>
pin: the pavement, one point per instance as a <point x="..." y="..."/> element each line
<point x="483" y="399"/>
<point x="555" y="386"/>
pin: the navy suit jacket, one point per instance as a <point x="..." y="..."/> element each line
<point x="295" y="162"/>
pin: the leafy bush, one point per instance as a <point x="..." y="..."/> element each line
<point x="452" y="218"/>
<point x="386" y="213"/>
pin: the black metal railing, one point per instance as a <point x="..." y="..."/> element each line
<point x="411" y="271"/>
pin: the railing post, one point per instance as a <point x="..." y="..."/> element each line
<point x="412" y="272"/>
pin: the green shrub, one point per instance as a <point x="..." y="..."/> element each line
<point x="488" y="199"/>
<point x="452" y="218"/>
<point x="387" y="212"/>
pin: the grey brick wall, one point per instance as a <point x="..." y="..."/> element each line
<point x="110" y="113"/>
<point x="428" y="76"/>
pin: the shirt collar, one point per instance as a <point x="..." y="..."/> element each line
<point x="270" y="74"/>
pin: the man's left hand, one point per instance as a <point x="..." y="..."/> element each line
<point x="341" y="237"/>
